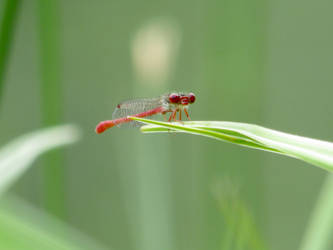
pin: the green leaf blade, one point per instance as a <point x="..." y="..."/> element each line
<point x="17" y="156"/>
<point x="316" y="152"/>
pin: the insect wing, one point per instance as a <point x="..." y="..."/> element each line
<point x="134" y="107"/>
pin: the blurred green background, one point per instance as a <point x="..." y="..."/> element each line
<point x="263" y="62"/>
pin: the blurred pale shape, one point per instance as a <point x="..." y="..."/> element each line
<point x="17" y="156"/>
<point x="154" y="49"/>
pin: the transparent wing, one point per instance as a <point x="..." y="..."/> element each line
<point x="134" y="107"/>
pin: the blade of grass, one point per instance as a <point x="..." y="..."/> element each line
<point x="36" y="229"/>
<point x="6" y="33"/>
<point x="241" y="229"/>
<point x="49" y="29"/>
<point x="318" y="234"/>
<point x="316" y="152"/>
<point x="17" y="156"/>
<point x="12" y="228"/>
<point x="26" y="227"/>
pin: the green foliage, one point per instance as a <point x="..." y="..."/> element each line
<point x="17" y="156"/>
<point x="16" y="232"/>
<point x="23" y="226"/>
<point x="51" y="100"/>
<point x="318" y="234"/>
<point x="6" y="33"/>
<point x="316" y="152"/>
<point x="241" y="229"/>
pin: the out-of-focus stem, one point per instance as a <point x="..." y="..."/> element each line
<point x="51" y="98"/>
<point x="7" y="26"/>
<point x="318" y="235"/>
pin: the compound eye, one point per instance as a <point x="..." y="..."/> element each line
<point x="174" y="98"/>
<point x="184" y="100"/>
<point x="191" y="97"/>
